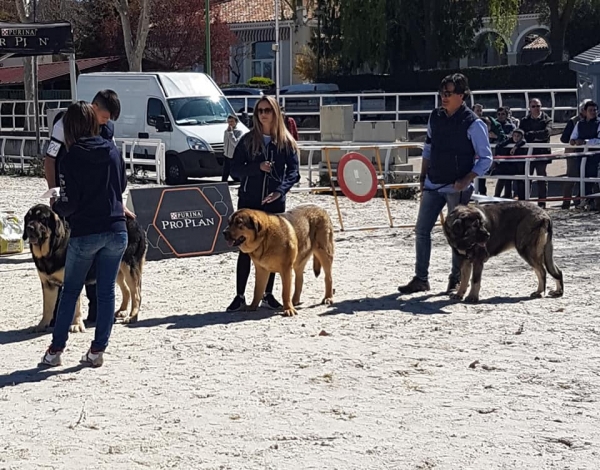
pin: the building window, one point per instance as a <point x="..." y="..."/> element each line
<point x="263" y="60"/>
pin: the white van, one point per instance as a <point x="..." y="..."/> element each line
<point x="186" y="110"/>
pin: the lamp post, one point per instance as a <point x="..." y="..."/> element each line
<point x="318" y="12"/>
<point x="207" y="15"/>
<point x="276" y="49"/>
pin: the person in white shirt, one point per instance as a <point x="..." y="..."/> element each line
<point x="230" y="140"/>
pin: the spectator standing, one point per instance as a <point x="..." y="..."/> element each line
<point x="518" y="142"/>
<point x="573" y="163"/>
<point x="231" y="137"/>
<point x="502" y="116"/>
<point x="587" y="132"/>
<point x="537" y="126"/>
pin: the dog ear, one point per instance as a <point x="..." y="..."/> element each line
<point x="254" y="225"/>
<point x="25" y="222"/>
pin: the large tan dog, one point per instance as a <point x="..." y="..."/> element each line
<point x="48" y="237"/>
<point x="480" y="232"/>
<point x="284" y="243"/>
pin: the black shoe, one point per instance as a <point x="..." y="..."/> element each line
<point x="415" y="285"/>
<point x="269" y="301"/>
<point x="452" y="285"/>
<point x="238" y="304"/>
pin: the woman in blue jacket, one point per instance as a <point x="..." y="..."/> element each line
<point x="92" y="182"/>
<point x="266" y="162"/>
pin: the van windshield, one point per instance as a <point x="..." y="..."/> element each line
<point x="193" y="111"/>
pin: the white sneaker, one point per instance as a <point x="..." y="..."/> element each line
<point x="93" y="359"/>
<point x="51" y="359"/>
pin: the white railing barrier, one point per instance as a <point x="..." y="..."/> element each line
<point x="9" y="111"/>
<point x="375" y="103"/>
<point x="388" y="147"/>
<point x="127" y="147"/>
<point x="159" y="157"/>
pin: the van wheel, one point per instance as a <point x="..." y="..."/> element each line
<point x="175" y="172"/>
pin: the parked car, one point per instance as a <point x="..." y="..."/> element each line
<point x="243" y="104"/>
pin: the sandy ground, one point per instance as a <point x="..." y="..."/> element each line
<point x="391" y="384"/>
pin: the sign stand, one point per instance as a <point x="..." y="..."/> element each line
<point x="352" y="182"/>
<point x="183" y="221"/>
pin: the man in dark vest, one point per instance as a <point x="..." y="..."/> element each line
<point x="455" y="137"/>
<point x="587" y="132"/>
<point x="107" y="106"/>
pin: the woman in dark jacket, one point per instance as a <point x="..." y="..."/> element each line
<point x="93" y="179"/>
<point x="266" y="162"/>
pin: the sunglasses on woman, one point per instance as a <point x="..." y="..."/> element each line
<point x="264" y="110"/>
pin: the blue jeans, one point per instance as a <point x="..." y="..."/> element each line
<point x="106" y="249"/>
<point x="432" y="204"/>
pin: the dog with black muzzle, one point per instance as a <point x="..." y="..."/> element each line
<point x="478" y="233"/>
<point x="48" y="237"/>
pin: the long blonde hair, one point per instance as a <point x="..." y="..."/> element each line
<point x="279" y="133"/>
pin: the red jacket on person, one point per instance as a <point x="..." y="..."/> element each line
<point x="290" y="123"/>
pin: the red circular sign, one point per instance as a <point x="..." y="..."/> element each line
<point x="357" y="178"/>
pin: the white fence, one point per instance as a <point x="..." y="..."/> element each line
<point x="559" y="103"/>
<point x="19" y="155"/>
<point x="582" y="179"/>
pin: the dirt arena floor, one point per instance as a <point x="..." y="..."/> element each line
<point x="373" y="382"/>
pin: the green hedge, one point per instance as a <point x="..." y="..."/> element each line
<point x="518" y="77"/>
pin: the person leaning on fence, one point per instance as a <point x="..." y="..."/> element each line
<point x="587" y="132"/>
<point x="92" y="182"/>
<point x="266" y="162"/>
<point x="537" y="126"/>
<point x="231" y="137"/>
<point x="508" y="167"/>
<point x="573" y="163"/>
<point x="107" y="107"/>
<point x="454" y="137"/>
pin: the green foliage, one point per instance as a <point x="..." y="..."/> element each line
<point x="503" y="14"/>
<point x="261" y="81"/>
<point x="398" y="34"/>
<point x="548" y="75"/>
<point x="583" y="30"/>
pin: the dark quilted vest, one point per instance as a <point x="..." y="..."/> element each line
<point x="588" y="129"/>
<point x="452" y="153"/>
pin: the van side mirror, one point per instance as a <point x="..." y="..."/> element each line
<point x="161" y="124"/>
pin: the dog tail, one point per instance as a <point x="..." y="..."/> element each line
<point x="554" y="271"/>
<point x="316" y="266"/>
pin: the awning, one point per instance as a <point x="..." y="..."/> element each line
<point x="14" y="75"/>
<point x="262" y="35"/>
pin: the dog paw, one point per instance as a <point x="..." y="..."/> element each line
<point x="472" y="299"/>
<point x="40" y="328"/>
<point x="121" y="314"/>
<point x="251" y="308"/>
<point x="290" y="312"/>
<point x="456" y="296"/>
<point x="130" y="320"/>
<point x="77" y="327"/>
<point x="536" y="295"/>
<point x="327" y="301"/>
<point x="555" y="293"/>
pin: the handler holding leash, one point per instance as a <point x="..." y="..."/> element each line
<point x="455" y="135"/>
<point x="266" y="160"/>
<point x="93" y="179"/>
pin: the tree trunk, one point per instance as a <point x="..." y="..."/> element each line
<point x="430" y="35"/>
<point x="134" y="49"/>
<point x="25" y="16"/>
<point x="558" y="27"/>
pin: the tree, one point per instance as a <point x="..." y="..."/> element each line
<point x="582" y="31"/>
<point x="560" y="15"/>
<point x="134" y="45"/>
